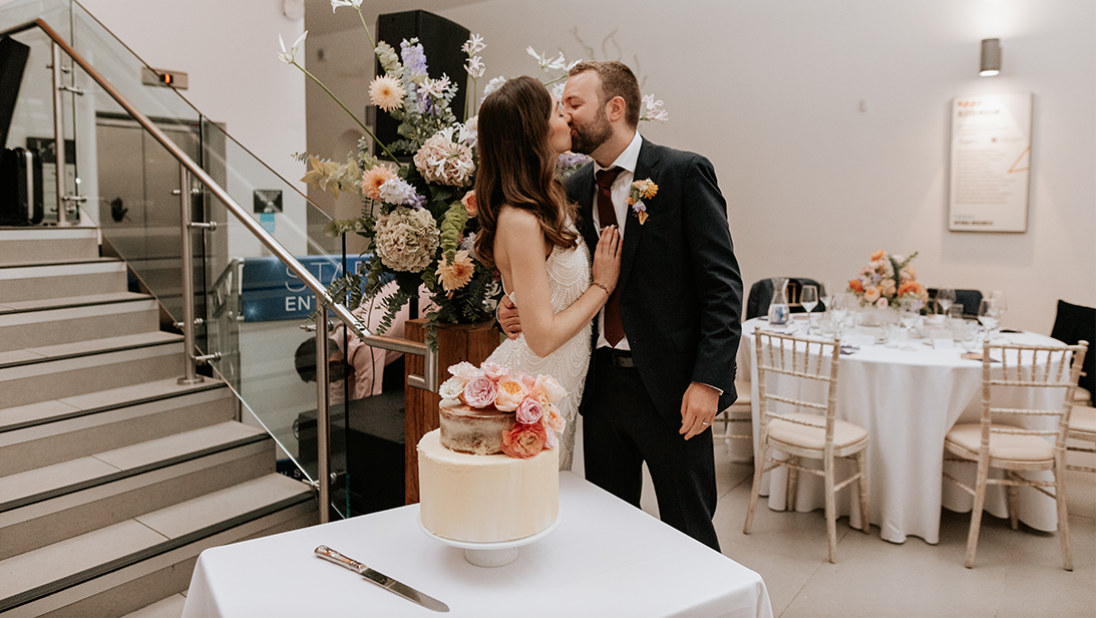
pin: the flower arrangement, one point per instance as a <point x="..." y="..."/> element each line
<point x="532" y="400"/>
<point x="889" y="281"/>
<point x="420" y="216"/>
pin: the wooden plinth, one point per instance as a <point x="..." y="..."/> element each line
<point x="456" y="343"/>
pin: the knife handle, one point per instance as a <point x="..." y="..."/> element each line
<point x="331" y="555"/>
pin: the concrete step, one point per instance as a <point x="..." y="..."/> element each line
<point x="53" y="503"/>
<point x="55" y="327"/>
<point x="27" y="283"/>
<point x="82" y="348"/>
<point x="65" y="378"/>
<point x="68" y="301"/>
<point x="46" y="244"/>
<point x="51" y="443"/>
<point x="54" y="410"/>
<point x="120" y="568"/>
<point x="171" y="607"/>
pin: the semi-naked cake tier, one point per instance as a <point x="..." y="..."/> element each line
<point x="467" y="430"/>
<point x="486" y="498"/>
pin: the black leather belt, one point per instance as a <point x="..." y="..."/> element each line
<point x="620" y="358"/>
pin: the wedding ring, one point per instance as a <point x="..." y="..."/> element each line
<point x="703" y="423"/>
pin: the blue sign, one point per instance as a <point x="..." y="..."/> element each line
<point x="272" y="292"/>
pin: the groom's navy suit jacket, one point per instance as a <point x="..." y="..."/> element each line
<point x="680" y="287"/>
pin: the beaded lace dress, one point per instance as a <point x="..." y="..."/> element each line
<point x="568" y="278"/>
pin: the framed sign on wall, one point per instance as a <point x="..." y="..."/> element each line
<point x="990" y="163"/>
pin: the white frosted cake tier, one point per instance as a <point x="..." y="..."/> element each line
<point x="486" y="498"/>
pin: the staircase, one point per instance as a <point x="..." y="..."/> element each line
<point x="113" y="477"/>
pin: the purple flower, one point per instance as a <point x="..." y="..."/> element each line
<point x="413" y="56"/>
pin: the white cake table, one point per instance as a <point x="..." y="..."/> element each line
<point x="607" y="558"/>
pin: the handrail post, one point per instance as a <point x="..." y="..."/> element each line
<point x="323" y="422"/>
<point x="191" y="375"/>
<point x="59" y="137"/>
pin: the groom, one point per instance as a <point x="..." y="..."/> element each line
<point x="665" y="344"/>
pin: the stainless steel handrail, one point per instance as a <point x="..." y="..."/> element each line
<point x="429" y="379"/>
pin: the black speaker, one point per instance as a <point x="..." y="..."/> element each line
<point x="441" y="42"/>
<point x="13" y="62"/>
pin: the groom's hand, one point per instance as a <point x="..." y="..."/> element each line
<point x="699" y="407"/>
<point x="509" y="320"/>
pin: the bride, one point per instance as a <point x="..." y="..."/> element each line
<point x="527" y="232"/>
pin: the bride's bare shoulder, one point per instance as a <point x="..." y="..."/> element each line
<point x="518" y="221"/>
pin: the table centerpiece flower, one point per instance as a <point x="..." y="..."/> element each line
<point x="889" y="281"/>
<point x="419" y="217"/>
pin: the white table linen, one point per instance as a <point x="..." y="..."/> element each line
<point x="607" y="558"/>
<point x="907" y="400"/>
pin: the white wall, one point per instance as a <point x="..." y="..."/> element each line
<point x="770" y="91"/>
<point x="229" y="50"/>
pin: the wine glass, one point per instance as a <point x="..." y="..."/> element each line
<point x="828" y="292"/>
<point x="808" y="298"/>
<point x="989" y="315"/>
<point x="839" y="307"/>
<point x="908" y="318"/>
<point x="945" y="298"/>
<point x="1001" y="301"/>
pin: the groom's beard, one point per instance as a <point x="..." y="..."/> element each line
<point x="586" y="139"/>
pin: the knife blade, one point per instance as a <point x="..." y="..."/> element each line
<point x="382" y="580"/>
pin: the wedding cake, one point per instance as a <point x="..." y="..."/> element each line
<point x="490" y="474"/>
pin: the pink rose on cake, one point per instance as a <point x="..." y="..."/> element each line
<point x="495" y="371"/>
<point x="528" y="381"/>
<point x="480" y="392"/>
<point x="552" y="441"/>
<point x="547" y="387"/>
<point x="524" y="441"/>
<point x="465" y="371"/>
<point x="553" y="419"/>
<point x="529" y="411"/>
<point x="510" y="395"/>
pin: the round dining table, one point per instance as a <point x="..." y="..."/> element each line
<point x="907" y="397"/>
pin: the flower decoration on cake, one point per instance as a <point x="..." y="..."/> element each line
<point x="889" y="281"/>
<point x="641" y="190"/>
<point x="536" y="420"/>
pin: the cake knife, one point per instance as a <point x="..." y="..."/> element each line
<point x="381" y="580"/>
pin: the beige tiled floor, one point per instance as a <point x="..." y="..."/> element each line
<point x="1017" y="573"/>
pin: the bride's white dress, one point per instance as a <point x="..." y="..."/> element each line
<point x="568" y="278"/>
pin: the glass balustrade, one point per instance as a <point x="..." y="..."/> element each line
<point x="251" y="306"/>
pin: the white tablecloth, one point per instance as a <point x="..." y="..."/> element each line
<point x="907" y="401"/>
<point x="607" y="558"/>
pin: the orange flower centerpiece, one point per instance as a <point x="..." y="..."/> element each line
<point x="889" y="281"/>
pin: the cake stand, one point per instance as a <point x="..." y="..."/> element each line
<point x="490" y="555"/>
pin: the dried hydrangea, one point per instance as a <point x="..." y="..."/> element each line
<point x="406" y="239"/>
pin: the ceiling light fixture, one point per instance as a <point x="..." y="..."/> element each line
<point x="991" y="57"/>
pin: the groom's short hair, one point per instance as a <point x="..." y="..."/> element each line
<point x="617" y="80"/>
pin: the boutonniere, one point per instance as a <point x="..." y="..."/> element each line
<point x="641" y="190"/>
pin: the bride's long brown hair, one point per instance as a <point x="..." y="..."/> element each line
<point x="517" y="167"/>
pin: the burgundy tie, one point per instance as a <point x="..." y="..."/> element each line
<point x="614" y="328"/>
